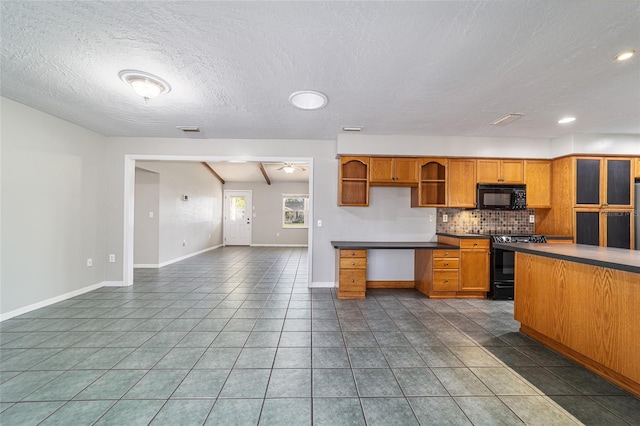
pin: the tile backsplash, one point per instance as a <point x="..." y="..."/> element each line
<point x="464" y="221"/>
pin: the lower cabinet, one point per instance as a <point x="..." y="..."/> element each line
<point x="609" y="228"/>
<point x="462" y="272"/>
<point x="352" y="274"/>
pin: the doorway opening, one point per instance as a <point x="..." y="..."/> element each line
<point x="129" y="200"/>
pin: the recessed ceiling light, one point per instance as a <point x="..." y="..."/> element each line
<point x="352" y="128"/>
<point x="623" y="56"/>
<point x="509" y="118"/>
<point x="144" y="84"/>
<point x="566" y="120"/>
<point x="308" y="100"/>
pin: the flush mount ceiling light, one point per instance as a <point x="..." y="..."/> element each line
<point x="566" y="120"/>
<point x="509" y="118"/>
<point x="623" y="56"/>
<point x="290" y="168"/>
<point x="144" y="84"/>
<point x="308" y="100"/>
<point x="352" y="128"/>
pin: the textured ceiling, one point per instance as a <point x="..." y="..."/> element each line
<point x="418" y="68"/>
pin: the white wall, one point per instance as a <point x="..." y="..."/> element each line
<point x="267" y="210"/>
<point x="186" y="227"/>
<point x="146" y="240"/>
<point x="453" y="146"/>
<point x="596" y="144"/>
<point x="53" y="208"/>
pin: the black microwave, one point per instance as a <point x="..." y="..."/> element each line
<point x="502" y="197"/>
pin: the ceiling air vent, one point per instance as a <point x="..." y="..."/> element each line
<point x="189" y="129"/>
<point x="509" y="118"/>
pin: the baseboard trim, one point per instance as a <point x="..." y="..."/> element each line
<point x="114" y="284"/>
<point x="390" y="284"/>
<point x="279" y="245"/>
<point x="322" y="284"/>
<point x="169" y="262"/>
<point x="48" y="302"/>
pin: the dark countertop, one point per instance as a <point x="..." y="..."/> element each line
<point x="606" y="257"/>
<point x="390" y="245"/>
<point x="444" y="234"/>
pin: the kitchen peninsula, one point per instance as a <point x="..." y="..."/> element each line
<point x="582" y="301"/>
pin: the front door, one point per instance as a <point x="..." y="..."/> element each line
<point x="237" y="218"/>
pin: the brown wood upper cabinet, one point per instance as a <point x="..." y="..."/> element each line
<point x="500" y="171"/>
<point x="432" y="186"/>
<point x="353" y="181"/>
<point x="537" y="177"/>
<point x="393" y="171"/>
<point x="461" y="182"/>
<point x="637" y="168"/>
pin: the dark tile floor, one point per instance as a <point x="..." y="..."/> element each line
<point x="233" y="336"/>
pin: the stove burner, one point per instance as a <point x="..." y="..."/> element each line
<point x="518" y="239"/>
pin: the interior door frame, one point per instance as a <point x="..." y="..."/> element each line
<point x="129" y="198"/>
<point x="224" y="211"/>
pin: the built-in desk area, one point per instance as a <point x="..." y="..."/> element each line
<point x="437" y="267"/>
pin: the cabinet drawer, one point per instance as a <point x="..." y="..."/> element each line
<point x="474" y="244"/>
<point x="353" y="280"/>
<point x="445" y="263"/>
<point x="353" y="253"/>
<point x="445" y="280"/>
<point x="446" y="253"/>
<point x="353" y="263"/>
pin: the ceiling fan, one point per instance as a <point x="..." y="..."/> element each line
<point x="291" y="167"/>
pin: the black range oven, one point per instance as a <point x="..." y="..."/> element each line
<point x="503" y="264"/>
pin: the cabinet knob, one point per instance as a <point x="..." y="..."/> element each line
<point x="446" y="281"/>
<point x="446" y="253"/>
<point x="353" y="253"/>
<point x="446" y="264"/>
<point x="353" y="281"/>
<point x="353" y="263"/>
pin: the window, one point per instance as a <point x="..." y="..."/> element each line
<point x="295" y="210"/>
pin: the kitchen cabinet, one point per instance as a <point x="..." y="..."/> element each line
<point x="473" y="266"/>
<point x="352" y="274"/>
<point x="439" y="273"/>
<point x="637" y="168"/>
<point x="461" y="182"/>
<point x="603" y="182"/>
<point x="537" y="177"/>
<point x="610" y="227"/>
<point x="432" y="184"/>
<point x="393" y="171"/>
<point x="592" y="201"/>
<point x="500" y="171"/>
<point x="353" y="181"/>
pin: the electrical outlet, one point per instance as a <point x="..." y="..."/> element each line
<point x="112" y="258"/>
<point x="431" y="217"/>
<point x="150" y="214"/>
<point x="184" y="243"/>
<point x="277" y="234"/>
<point x="319" y="224"/>
<point x="532" y="218"/>
<point x="445" y="218"/>
<point x="89" y="262"/>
